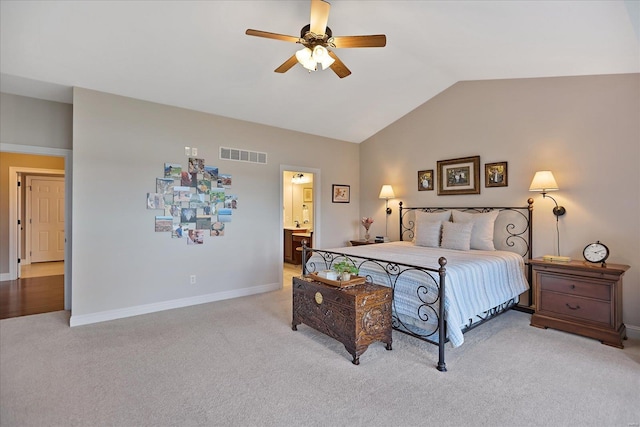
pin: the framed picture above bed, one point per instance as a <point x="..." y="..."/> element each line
<point x="495" y="174"/>
<point x="459" y="176"/>
<point x="425" y="180"/>
<point x="340" y="193"/>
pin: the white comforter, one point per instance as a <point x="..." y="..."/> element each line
<point x="476" y="281"/>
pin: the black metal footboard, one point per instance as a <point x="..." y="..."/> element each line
<point x="429" y="288"/>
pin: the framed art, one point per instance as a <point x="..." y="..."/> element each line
<point x="340" y="193"/>
<point x="459" y="176"/>
<point x="425" y="180"/>
<point x="495" y="174"/>
<point x="307" y="194"/>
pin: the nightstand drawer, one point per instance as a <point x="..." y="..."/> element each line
<point x="578" y="307"/>
<point x="575" y="286"/>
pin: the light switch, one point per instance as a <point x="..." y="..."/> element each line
<point x="187" y="151"/>
<point x="194" y="151"/>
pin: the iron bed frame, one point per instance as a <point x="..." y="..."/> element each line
<point x="518" y="236"/>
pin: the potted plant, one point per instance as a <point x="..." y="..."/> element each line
<point x="345" y="269"/>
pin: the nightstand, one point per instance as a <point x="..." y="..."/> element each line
<point x="580" y="298"/>
<point x="362" y="242"/>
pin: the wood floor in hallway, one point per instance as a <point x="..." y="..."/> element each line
<point x="31" y="295"/>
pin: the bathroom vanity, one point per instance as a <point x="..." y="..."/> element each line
<point x="293" y="238"/>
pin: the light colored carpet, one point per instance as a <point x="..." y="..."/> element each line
<point x="238" y="363"/>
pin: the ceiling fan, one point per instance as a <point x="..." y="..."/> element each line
<point x="317" y="39"/>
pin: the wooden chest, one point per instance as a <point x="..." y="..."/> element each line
<point x="580" y="298"/>
<point x="356" y="316"/>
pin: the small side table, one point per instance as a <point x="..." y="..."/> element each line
<point x="356" y="316"/>
<point x="580" y="298"/>
<point x="362" y="242"/>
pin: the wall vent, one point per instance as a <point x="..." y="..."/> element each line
<point x="239" y="155"/>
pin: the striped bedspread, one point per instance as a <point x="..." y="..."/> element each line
<point x="476" y="281"/>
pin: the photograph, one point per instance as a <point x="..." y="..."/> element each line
<point x="459" y="176"/>
<point x="217" y="229"/>
<point x="425" y="180"/>
<point x="164" y="185"/>
<point x="224" y="180"/>
<point x="196" y="165"/>
<point x="495" y="174"/>
<point x="210" y="173"/>
<point x="188" y="215"/>
<point x="164" y="223"/>
<point x="181" y="194"/>
<point x="231" y="201"/>
<point x="340" y="193"/>
<point x="155" y="201"/>
<point x="224" y="215"/>
<point x="172" y="170"/>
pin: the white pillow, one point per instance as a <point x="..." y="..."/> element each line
<point x="482" y="232"/>
<point x="428" y="217"/>
<point x="428" y="234"/>
<point x="456" y="235"/>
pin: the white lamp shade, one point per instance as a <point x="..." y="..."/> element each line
<point x="386" y="192"/>
<point x="305" y="58"/>
<point x="543" y="181"/>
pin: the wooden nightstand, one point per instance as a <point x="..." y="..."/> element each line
<point x="580" y="298"/>
<point x="356" y="316"/>
<point x="362" y="242"/>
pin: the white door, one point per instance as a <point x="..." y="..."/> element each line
<point x="46" y="218"/>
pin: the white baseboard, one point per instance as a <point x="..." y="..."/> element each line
<point x="633" y="332"/>
<point x="5" y="277"/>
<point x="103" y="316"/>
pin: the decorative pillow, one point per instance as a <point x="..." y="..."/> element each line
<point x="456" y="235"/>
<point x="482" y="232"/>
<point x="426" y="218"/>
<point x="428" y="234"/>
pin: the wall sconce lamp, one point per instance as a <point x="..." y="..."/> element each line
<point x="543" y="181"/>
<point x="386" y="193"/>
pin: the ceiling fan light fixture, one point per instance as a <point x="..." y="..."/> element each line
<point x="321" y="55"/>
<point x="305" y="58"/>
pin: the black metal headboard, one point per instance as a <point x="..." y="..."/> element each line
<point x="513" y="230"/>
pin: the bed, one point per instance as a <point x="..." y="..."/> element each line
<point x="474" y="259"/>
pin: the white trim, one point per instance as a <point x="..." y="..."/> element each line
<point x="633" y="332"/>
<point x="120" y="313"/>
<point x="68" y="166"/>
<point x="4" y="277"/>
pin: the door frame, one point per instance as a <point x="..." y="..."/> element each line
<point x="28" y="207"/>
<point x="317" y="200"/>
<point x="13" y="210"/>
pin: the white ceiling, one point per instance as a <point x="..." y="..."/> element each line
<point x="194" y="54"/>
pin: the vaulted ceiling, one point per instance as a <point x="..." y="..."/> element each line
<point x="195" y="54"/>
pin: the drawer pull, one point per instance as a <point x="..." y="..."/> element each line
<point x="573" y="286"/>
<point x="577" y="307"/>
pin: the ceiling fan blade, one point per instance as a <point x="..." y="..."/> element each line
<point x="338" y="66"/>
<point x="275" y="36"/>
<point x="378" y="40"/>
<point x="286" y="66"/>
<point x="319" y="16"/>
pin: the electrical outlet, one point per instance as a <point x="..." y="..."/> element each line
<point x="187" y="151"/>
<point x="194" y="151"/>
<point x="192" y="279"/>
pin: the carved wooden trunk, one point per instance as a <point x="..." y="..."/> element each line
<point x="356" y="316"/>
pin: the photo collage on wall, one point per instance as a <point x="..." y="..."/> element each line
<point x="194" y="201"/>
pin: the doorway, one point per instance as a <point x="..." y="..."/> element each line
<point x="300" y="217"/>
<point x="17" y="170"/>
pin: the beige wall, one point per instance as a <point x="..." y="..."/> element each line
<point x="35" y="122"/>
<point x="8" y="160"/>
<point x="120" y="265"/>
<point x="584" y="129"/>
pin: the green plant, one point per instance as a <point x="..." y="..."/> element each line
<point x="345" y="267"/>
